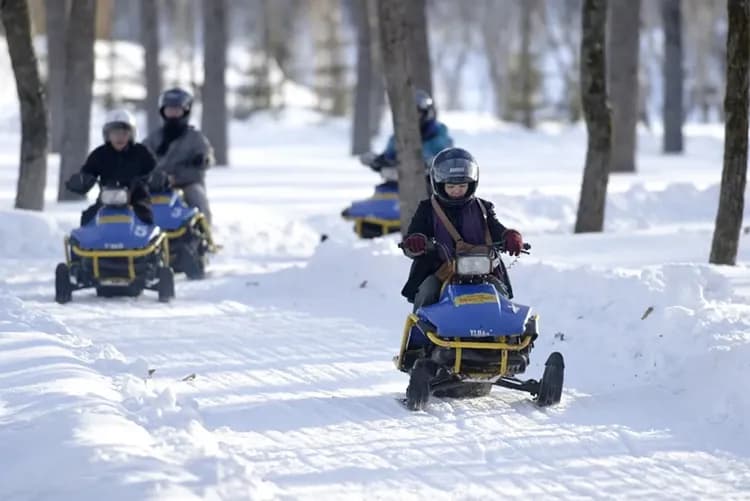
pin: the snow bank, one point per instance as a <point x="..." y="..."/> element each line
<point x="31" y="234"/>
<point x="69" y="407"/>
<point x="637" y="208"/>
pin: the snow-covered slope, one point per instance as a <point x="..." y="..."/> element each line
<point x="273" y="378"/>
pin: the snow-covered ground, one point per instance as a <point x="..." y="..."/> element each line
<point x="273" y="379"/>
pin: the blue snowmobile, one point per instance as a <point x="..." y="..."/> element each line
<point x="187" y="230"/>
<point x="474" y="338"/>
<point x="378" y="215"/>
<point x="116" y="253"/>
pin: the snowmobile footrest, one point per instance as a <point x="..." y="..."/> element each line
<point x="530" y="385"/>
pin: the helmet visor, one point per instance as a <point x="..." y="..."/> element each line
<point x="174" y="98"/>
<point x="455" y="171"/>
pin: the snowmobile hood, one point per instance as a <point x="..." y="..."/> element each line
<point x="114" y="229"/>
<point x="170" y="211"/>
<point x="468" y="311"/>
<point x="383" y="204"/>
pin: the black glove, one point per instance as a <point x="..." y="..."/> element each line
<point x="158" y="181"/>
<point x="381" y="161"/>
<point x="367" y="158"/>
<point x="199" y="160"/>
<point x="80" y="183"/>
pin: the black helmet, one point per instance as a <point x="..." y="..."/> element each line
<point x="454" y="166"/>
<point x="425" y="106"/>
<point x="177" y="98"/>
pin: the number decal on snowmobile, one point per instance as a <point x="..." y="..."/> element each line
<point x="176" y="212"/>
<point x="479" y="333"/>
<point x="480" y="298"/>
<point x="140" y="231"/>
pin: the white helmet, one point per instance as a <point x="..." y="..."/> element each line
<point x="119" y="119"/>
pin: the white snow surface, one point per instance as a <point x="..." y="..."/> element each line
<point x="273" y="379"/>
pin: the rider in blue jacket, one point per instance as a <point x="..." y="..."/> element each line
<point x="435" y="136"/>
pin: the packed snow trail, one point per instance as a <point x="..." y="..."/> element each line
<point x="273" y="378"/>
<point x="285" y="402"/>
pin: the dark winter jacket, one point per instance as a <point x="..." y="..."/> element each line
<point x="184" y="154"/>
<point x="129" y="167"/>
<point x="425" y="221"/>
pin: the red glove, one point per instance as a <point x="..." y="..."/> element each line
<point x="415" y="244"/>
<point x="513" y="242"/>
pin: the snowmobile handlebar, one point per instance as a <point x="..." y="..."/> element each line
<point x="432" y="245"/>
<point x="500" y="246"/>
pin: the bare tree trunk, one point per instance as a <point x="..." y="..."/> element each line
<point x="496" y="34"/>
<point x="362" y="121"/>
<point x="623" y="47"/>
<point x="37" y="16"/>
<point x="330" y="64"/>
<point x="32" y="174"/>
<point x="377" y="94"/>
<point x="527" y="85"/>
<point x="278" y="32"/>
<point x="419" y="45"/>
<point x="733" y="178"/>
<point x="674" y="76"/>
<point x="103" y="20"/>
<point x="57" y="19"/>
<point x="596" y="111"/>
<point x="150" y="41"/>
<point x="79" y="81"/>
<point x="214" y="120"/>
<point x="193" y="33"/>
<point x="394" y="39"/>
<point x="260" y="71"/>
<point x="110" y="98"/>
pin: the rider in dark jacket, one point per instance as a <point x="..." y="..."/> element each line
<point x="183" y="153"/>
<point x="120" y="161"/>
<point x="454" y="177"/>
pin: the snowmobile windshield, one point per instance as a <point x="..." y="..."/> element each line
<point x="114" y="196"/>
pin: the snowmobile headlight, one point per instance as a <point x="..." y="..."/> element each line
<point x="474" y="265"/>
<point x="389" y="173"/>
<point x="114" y="196"/>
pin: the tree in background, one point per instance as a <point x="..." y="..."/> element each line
<point x="454" y="26"/>
<point x="622" y="52"/>
<point x="150" y="40"/>
<point x="377" y="94"/>
<point x="214" y="117"/>
<point x="704" y="47"/>
<point x="497" y="37"/>
<point x="525" y="65"/>
<point x="366" y="79"/>
<point x="419" y="46"/>
<point x="674" y="75"/>
<point x="392" y="17"/>
<point x="596" y="112"/>
<point x="507" y="30"/>
<point x="330" y="64"/>
<point x="56" y="15"/>
<point x="79" y="80"/>
<point x="32" y="175"/>
<point x="734" y="175"/>
<point x="562" y="22"/>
